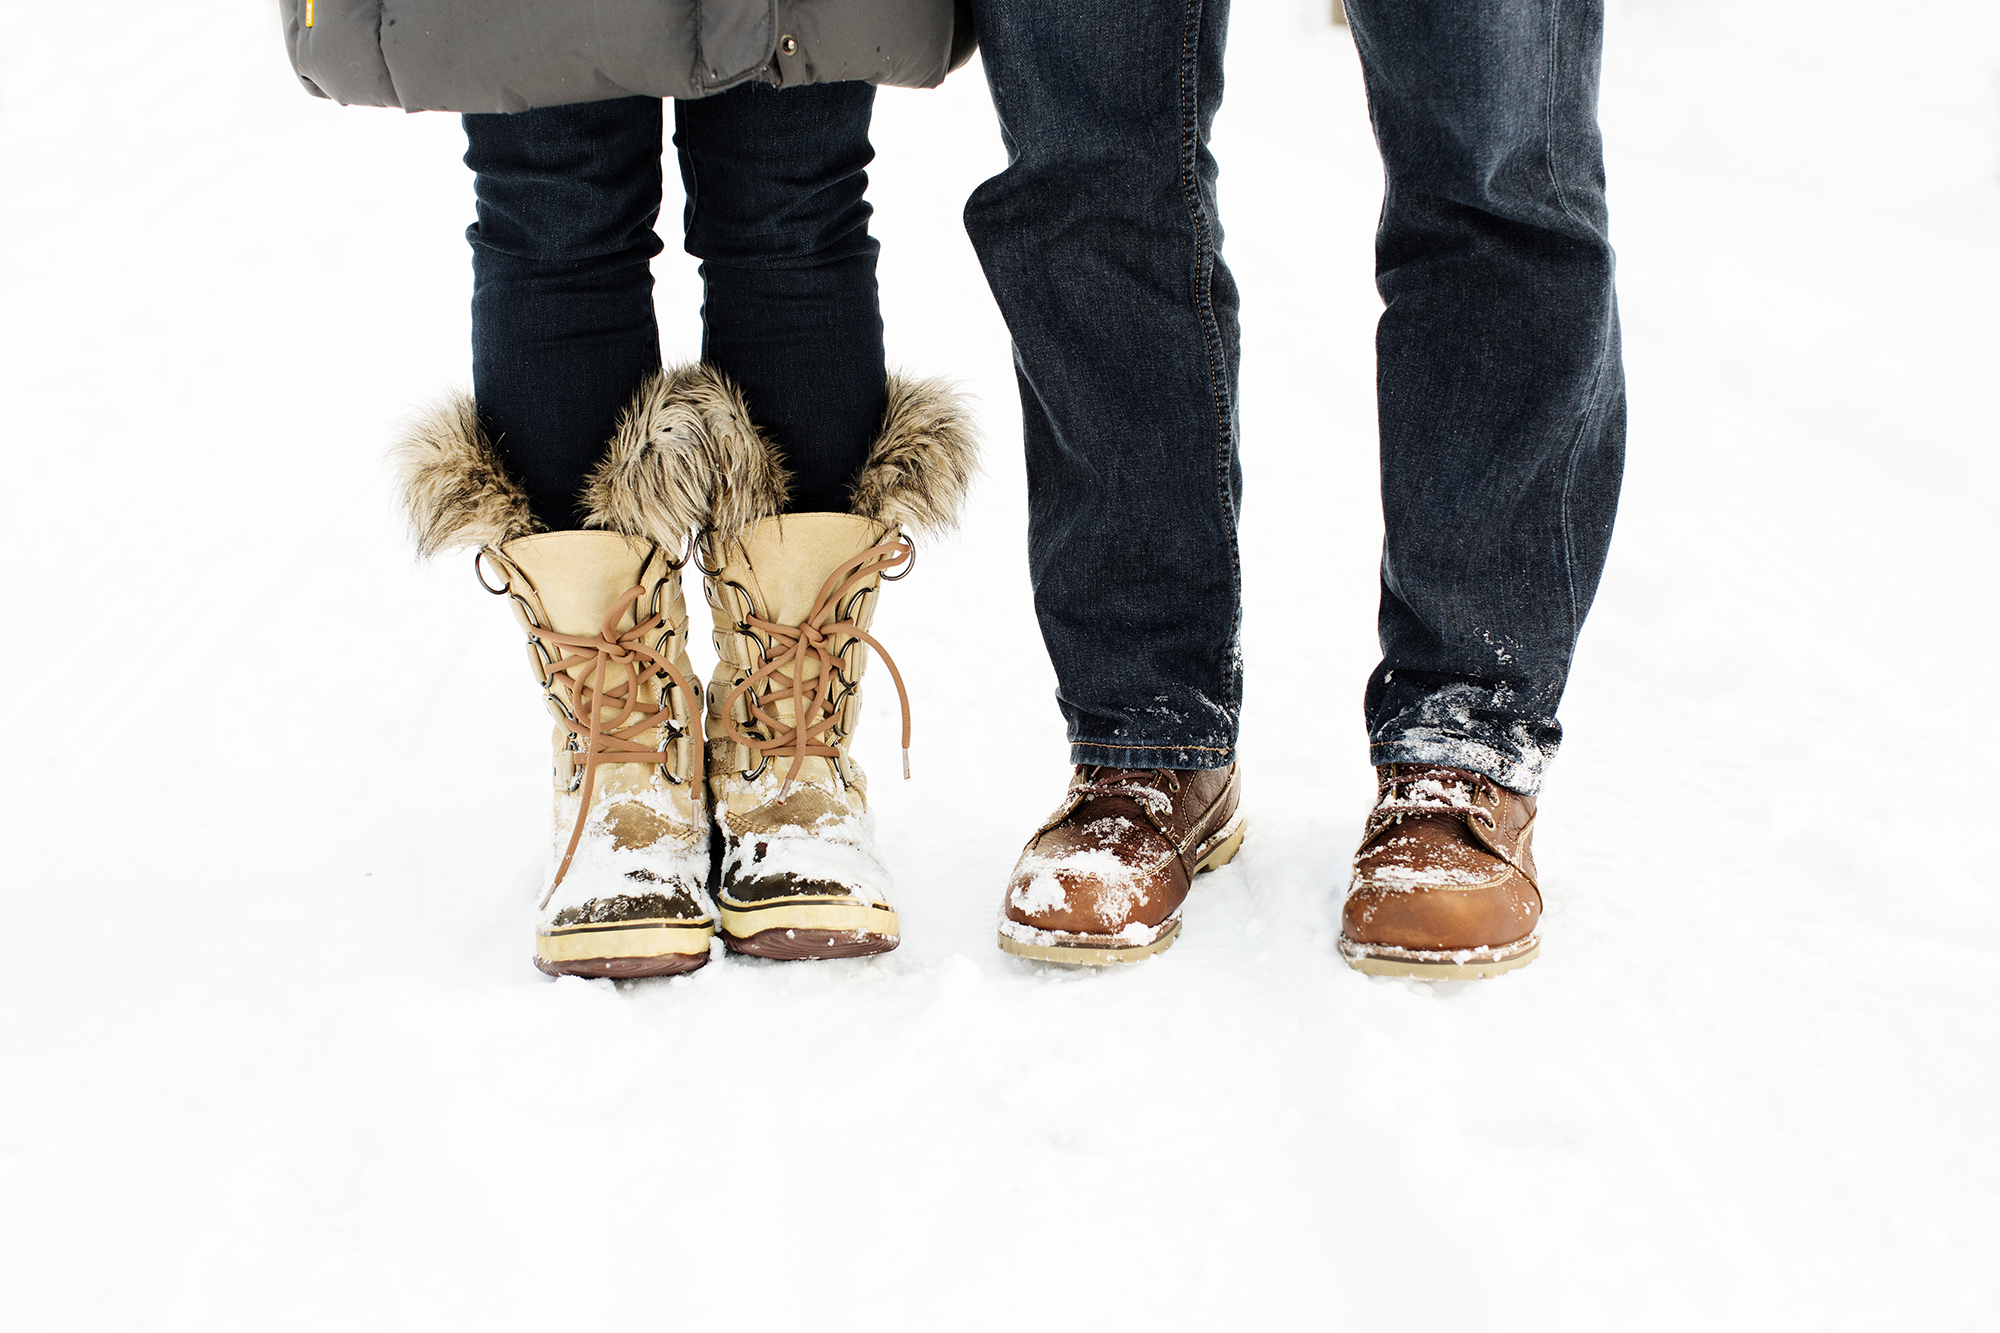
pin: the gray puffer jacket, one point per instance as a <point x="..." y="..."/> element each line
<point x="478" y="55"/>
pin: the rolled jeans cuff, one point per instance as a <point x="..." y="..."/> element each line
<point x="1516" y="765"/>
<point x="1152" y="756"/>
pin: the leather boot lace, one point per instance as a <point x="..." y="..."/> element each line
<point x="1137" y="786"/>
<point x="1435" y="791"/>
<point x="613" y="718"/>
<point x="1430" y="791"/>
<point x="1156" y="803"/>
<point x="801" y="665"/>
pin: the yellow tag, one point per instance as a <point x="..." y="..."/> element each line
<point x="309" y="13"/>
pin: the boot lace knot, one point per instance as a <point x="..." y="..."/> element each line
<point x="1134" y="786"/>
<point x="1436" y="791"/>
<point x="803" y="667"/>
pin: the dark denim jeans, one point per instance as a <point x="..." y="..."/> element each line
<point x="1501" y="391"/>
<point x="1103" y="247"/>
<point x="562" y="308"/>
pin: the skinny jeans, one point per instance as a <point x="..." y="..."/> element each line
<point x="563" y="326"/>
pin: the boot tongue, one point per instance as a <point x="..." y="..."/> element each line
<point x="577" y="578"/>
<point x="1140" y="787"/>
<point x="785" y="563"/>
<point x="578" y="575"/>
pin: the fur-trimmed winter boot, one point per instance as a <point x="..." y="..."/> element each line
<point x="792" y="599"/>
<point x="798" y="875"/>
<point x="607" y="640"/>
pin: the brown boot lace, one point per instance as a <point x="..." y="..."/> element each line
<point x="1432" y="790"/>
<point x="581" y="670"/>
<point x="1135" y="785"/>
<point x="1124" y="782"/>
<point x="791" y="649"/>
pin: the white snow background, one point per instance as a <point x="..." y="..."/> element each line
<point x="276" y="795"/>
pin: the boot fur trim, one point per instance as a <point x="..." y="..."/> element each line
<point x="686" y="457"/>
<point x="923" y="461"/>
<point x="453" y="486"/>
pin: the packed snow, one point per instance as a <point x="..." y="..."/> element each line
<point x="277" y="802"/>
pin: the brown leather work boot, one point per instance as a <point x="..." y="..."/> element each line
<point x="1444" y="883"/>
<point x="1102" y="881"/>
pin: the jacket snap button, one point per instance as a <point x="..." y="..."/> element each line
<point x="789" y="44"/>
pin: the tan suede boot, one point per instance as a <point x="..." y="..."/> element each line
<point x="1444" y="883"/>
<point x="607" y="638"/>
<point x="793" y="598"/>
<point x="798" y="873"/>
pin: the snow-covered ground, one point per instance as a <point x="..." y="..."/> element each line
<point x="274" y="1057"/>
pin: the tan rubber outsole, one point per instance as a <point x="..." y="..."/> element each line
<point x="1073" y="950"/>
<point x="1434" y="969"/>
<point x="652" y="948"/>
<point x="1223" y="852"/>
<point x="1078" y="951"/>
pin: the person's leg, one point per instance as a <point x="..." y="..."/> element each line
<point x="1502" y="395"/>
<point x="1102" y="243"/>
<point x="1502" y="407"/>
<point x="562" y="308"/>
<point x="775" y="211"/>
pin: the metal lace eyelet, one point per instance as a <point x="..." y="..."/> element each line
<point x="908" y="566"/>
<point x="479" y="572"/>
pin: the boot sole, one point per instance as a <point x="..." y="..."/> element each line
<point x="803" y="945"/>
<point x="1077" y="950"/>
<point x="1073" y="950"/>
<point x="623" y="949"/>
<point x="791" y="929"/>
<point x="1439" y="964"/>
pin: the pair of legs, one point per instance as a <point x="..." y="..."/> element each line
<point x="563" y="329"/>
<point x="787" y="460"/>
<point x="1499" y="380"/>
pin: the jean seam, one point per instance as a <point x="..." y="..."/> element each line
<point x="1549" y="128"/>
<point x="1569" y="480"/>
<point x="1597" y="373"/>
<point x="1211" y="331"/>
<point x="1124" y="745"/>
<point x="1211" y="335"/>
